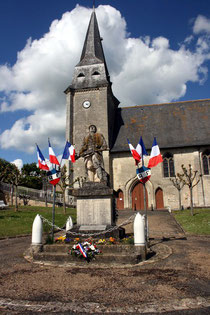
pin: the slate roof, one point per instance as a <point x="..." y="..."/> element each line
<point x="92" y="52"/>
<point x="178" y="124"/>
<point x="91" y="71"/>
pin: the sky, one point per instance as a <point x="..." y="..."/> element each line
<point x="157" y="51"/>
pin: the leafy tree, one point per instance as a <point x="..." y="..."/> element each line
<point x="5" y="167"/>
<point x="188" y="177"/>
<point x="32" y="176"/>
<point x="179" y="184"/>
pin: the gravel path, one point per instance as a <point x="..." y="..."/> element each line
<point x="179" y="284"/>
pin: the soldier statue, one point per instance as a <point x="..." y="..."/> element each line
<point x="93" y="146"/>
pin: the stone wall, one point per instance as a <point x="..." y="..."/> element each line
<point x="124" y="178"/>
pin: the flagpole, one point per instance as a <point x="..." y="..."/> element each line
<point x="145" y="202"/>
<point x="53" y="213"/>
<point x="53" y="209"/>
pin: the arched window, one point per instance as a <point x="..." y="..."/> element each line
<point x="95" y="73"/>
<point x="206" y="162"/>
<point x="168" y="165"/>
<point x="81" y="75"/>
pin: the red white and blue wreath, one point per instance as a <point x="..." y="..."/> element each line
<point x="85" y="250"/>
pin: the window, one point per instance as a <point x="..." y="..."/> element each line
<point x="96" y="73"/>
<point x="206" y="162"/>
<point x="81" y="75"/>
<point x="168" y="165"/>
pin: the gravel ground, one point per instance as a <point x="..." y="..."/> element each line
<point x="179" y="282"/>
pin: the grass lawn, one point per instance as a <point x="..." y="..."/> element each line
<point x="19" y="223"/>
<point x="198" y="224"/>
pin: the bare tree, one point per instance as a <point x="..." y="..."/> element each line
<point x="179" y="184"/>
<point x="9" y="173"/>
<point x="64" y="183"/>
<point x="14" y="177"/>
<point x="188" y="177"/>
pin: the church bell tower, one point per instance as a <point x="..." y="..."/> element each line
<point x="89" y="98"/>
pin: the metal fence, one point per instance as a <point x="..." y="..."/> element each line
<point x="36" y="194"/>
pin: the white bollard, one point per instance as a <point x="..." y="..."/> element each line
<point x="139" y="230"/>
<point x="37" y="229"/>
<point x="69" y="224"/>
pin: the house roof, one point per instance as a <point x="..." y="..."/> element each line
<point x="178" y="124"/>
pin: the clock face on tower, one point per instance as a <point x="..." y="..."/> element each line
<point x="86" y="104"/>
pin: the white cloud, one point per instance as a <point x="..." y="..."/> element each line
<point x="143" y="71"/>
<point x="35" y="128"/>
<point x="18" y="163"/>
<point x="202" y="24"/>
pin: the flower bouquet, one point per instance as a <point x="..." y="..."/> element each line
<point x="85" y="250"/>
<point x="110" y="241"/>
<point x="62" y="239"/>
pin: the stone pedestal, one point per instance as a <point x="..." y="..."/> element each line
<point x="94" y="207"/>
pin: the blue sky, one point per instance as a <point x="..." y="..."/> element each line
<point x="158" y="50"/>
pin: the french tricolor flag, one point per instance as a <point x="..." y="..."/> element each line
<point x="41" y="160"/>
<point x="135" y="154"/>
<point x="69" y="152"/>
<point x="52" y="157"/>
<point x="155" y="156"/>
<point x="140" y="148"/>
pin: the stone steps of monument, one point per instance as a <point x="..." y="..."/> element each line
<point x="103" y="258"/>
<point x="64" y="248"/>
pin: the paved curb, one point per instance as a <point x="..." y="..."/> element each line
<point x="96" y="308"/>
<point x="16" y="236"/>
<point x="181" y="228"/>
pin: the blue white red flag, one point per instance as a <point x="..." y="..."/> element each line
<point x="155" y="156"/>
<point x="143" y="174"/>
<point x="82" y="251"/>
<point x="135" y="154"/>
<point x="54" y="176"/>
<point x="140" y="148"/>
<point x="52" y="157"/>
<point x="41" y="160"/>
<point x="69" y="152"/>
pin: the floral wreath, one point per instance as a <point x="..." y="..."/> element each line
<point x="84" y="250"/>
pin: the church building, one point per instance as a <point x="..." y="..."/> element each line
<point x="181" y="129"/>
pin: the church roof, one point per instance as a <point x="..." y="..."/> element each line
<point x="178" y="124"/>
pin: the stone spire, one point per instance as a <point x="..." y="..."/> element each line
<point x="92" y="70"/>
<point x="92" y="52"/>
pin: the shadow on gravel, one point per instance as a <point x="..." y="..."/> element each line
<point x="156" y="241"/>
